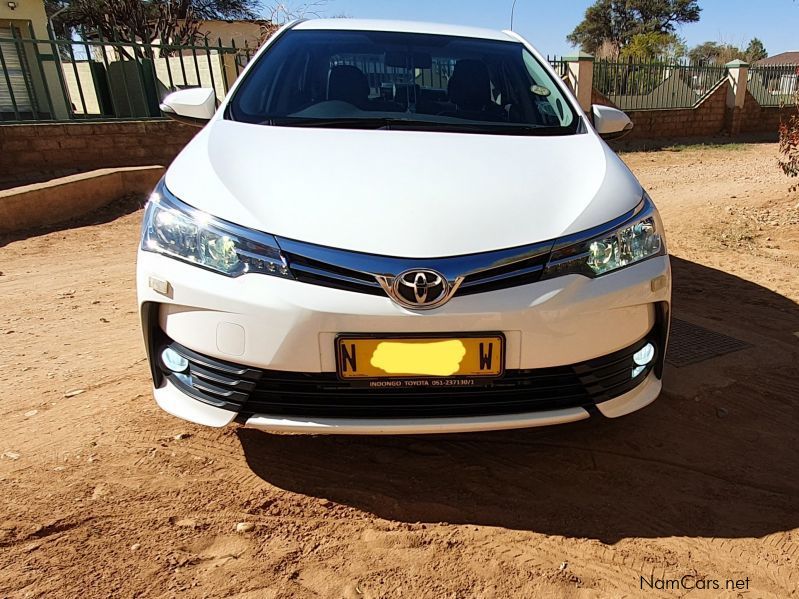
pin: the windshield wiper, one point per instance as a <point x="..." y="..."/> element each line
<point x="344" y="123"/>
<point x="387" y="123"/>
<point x="488" y="127"/>
<point x="494" y="128"/>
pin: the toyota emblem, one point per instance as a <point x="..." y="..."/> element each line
<point x="420" y="288"/>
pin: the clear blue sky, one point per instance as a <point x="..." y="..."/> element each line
<point x="546" y="23"/>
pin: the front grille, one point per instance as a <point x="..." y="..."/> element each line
<point x="516" y="274"/>
<point x="322" y="395"/>
<point x="315" y="272"/>
<point x="355" y="271"/>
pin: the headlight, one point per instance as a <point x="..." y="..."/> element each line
<point x="607" y="248"/>
<point x="174" y="229"/>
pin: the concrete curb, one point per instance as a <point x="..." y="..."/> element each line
<point x="65" y="198"/>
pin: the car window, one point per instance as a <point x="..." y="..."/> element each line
<point x="402" y="80"/>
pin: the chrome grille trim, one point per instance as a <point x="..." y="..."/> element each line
<point x="324" y="273"/>
<point x="361" y="272"/>
<point x="500" y="277"/>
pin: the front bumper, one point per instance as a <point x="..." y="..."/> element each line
<point x="177" y="403"/>
<point x="281" y="328"/>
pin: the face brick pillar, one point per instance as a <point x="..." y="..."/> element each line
<point x="580" y="71"/>
<point x="737" y="76"/>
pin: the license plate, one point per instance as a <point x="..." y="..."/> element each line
<point x="453" y="357"/>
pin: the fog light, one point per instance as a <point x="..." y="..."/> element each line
<point x="173" y="360"/>
<point x="638" y="370"/>
<point x="644" y="355"/>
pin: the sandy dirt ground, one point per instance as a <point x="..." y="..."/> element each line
<point x="105" y="495"/>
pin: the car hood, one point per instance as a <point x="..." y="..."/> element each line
<point x="411" y="194"/>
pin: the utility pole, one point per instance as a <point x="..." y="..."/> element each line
<point x="512" y="11"/>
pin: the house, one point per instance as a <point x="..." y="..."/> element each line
<point x="778" y="75"/>
<point x="236" y="33"/>
<point x="782" y="59"/>
<point x="37" y="83"/>
<point x="31" y="69"/>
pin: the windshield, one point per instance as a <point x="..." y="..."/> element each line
<point x="373" y="79"/>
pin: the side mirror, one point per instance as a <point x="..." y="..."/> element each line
<point x="193" y="106"/>
<point x="610" y="123"/>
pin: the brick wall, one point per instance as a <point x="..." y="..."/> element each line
<point x="710" y="118"/>
<point x="757" y="119"/>
<point x="37" y="152"/>
<point x="707" y="119"/>
<point x="597" y="97"/>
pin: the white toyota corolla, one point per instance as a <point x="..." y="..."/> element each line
<point x="394" y="227"/>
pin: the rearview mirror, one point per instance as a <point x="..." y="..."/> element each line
<point x="193" y="106"/>
<point x="610" y="123"/>
<point x="403" y="60"/>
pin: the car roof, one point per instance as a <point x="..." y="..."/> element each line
<point x="403" y="27"/>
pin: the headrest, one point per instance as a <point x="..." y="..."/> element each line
<point x="348" y="84"/>
<point x="470" y="85"/>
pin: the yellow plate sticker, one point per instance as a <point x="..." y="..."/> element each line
<point x="364" y="358"/>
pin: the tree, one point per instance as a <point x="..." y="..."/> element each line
<point x="789" y="145"/>
<point x="755" y="50"/>
<point x="618" y="21"/>
<point x="714" y="53"/>
<point x="652" y="45"/>
<point x="171" y="21"/>
<point x="280" y="13"/>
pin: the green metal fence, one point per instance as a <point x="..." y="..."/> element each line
<point x="100" y="79"/>
<point x="558" y="64"/>
<point x="636" y="85"/>
<point x="93" y="78"/>
<point x="774" y="85"/>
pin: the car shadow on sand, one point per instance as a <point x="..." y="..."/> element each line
<point x="110" y="212"/>
<point x="715" y="456"/>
